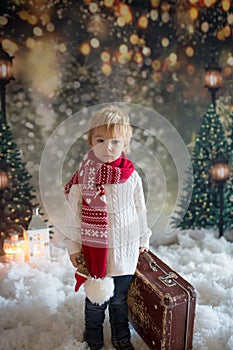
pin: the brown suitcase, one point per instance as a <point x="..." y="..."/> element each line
<point x="161" y="305"/>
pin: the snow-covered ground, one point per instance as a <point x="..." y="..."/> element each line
<point x="41" y="311"/>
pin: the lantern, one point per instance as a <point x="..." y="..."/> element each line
<point x="37" y="239"/>
<point x="6" y="75"/>
<point x="220" y="172"/>
<point x="213" y="79"/>
<point x="6" y="66"/>
<point x="14" y="248"/>
<point x="3" y="179"/>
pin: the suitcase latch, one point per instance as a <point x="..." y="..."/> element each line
<point x="168" y="280"/>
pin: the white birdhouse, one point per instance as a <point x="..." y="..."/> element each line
<point x="37" y="238"/>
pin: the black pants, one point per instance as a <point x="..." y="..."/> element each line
<point x="118" y="315"/>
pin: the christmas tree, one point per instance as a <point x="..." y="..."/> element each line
<point x="203" y="211"/>
<point x="16" y="193"/>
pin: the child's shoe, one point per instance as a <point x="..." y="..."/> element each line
<point x="125" y="346"/>
<point x="94" y="347"/>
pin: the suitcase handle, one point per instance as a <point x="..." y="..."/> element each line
<point x="150" y="261"/>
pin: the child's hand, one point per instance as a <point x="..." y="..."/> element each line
<point x="142" y="249"/>
<point x="74" y="257"/>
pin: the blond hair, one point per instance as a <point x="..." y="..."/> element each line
<point x="114" y="120"/>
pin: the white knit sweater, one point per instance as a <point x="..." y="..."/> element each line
<point x="127" y="224"/>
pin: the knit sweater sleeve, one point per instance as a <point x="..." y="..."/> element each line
<point x="72" y="237"/>
<point x="145" y="232"/>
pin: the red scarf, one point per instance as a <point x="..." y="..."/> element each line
<point x="92" y="175"/>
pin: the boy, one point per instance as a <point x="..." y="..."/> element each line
<point x="107" y="224"/>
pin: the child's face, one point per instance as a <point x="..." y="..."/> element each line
<point x="106" y="147"/>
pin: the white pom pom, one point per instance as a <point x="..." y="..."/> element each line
<point x="99" y="290"/>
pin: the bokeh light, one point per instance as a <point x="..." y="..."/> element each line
<point x="94" y="42"/>
<point x="227" y="71"/>
<point x="154" y="15"/>
<point x="109" y="3"/>
<point x="37" y="31"/>
<point x="10" y="46"/>
<point x="106" y="69"/>
<point x="30" y="43"/>
<point x="93" y="7"/>
<point x="85" y="48"/>
<point x="125" y="13"/>
<point x="155" y="3"/>
<point x="134" y="39"/>
<point x="3" y="20"/>
<point x="157" y="77"/>
<point x="189" y="51"/>
<point x="226" y="4"/>
<point x="156" y="64"/>
<point x="143" y="22"/>
<point x="45" y="19"/>
<point x="50" y="27"/>
<point x="165" y="42"/>
<point x="205" y="27"/>
<point x="193" y="12"/>
<point x="105" y="56"/>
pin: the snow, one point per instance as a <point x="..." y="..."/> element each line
<point x="41" y="311"/>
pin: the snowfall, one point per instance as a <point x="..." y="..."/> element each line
<point x="41" y="311"/>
